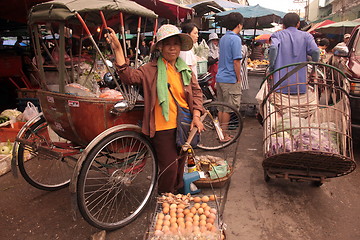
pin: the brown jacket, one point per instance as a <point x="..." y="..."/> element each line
<point x="146" y="76"/>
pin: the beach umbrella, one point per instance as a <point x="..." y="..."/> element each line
<point x="264" y="38"/>
<point x="338" y="27"/>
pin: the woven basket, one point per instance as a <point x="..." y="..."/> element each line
<point x="216" y="183"/>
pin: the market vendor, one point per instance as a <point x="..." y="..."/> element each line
<point x="159" y="121"/>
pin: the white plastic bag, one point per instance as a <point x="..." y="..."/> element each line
<point x="30" y="111"/>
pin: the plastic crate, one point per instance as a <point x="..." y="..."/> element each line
<point x="9" y="133"/>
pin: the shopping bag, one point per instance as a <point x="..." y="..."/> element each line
<point x="30" y="111"/>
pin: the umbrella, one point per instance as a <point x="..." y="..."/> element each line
<point x="263" y="38"/>
<point x="318" y="25"/>
<point x="254" y="16"/>
<point x="338" y="27"/>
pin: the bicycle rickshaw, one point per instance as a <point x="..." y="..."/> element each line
<point x="93" y="144"/>
<point x="307" y="126"/>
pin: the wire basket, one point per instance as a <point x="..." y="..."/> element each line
<point x="307" y="125"/>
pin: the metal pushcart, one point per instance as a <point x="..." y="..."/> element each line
<point x="307" y="126"/>
<point x="94" y="145"/>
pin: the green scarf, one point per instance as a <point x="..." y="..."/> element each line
<point x="162" y="83"/>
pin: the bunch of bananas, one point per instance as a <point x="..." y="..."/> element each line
<point x="4" y="119"/>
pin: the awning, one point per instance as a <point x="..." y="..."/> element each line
<point x="204" y="7"/>
<point x="339" y="27"/>
<point x="320" y="24"/>
<point x="169" y="10"/>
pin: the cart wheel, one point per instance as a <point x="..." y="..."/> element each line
<point x="41" y="168"/>
<point x="317" y="183"/>
<point x="209" y="139"/>
<point x="117" y="180"/>
<point x="266" y="176"/>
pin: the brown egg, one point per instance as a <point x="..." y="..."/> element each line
<point x="202" y="217"/>
<point x="172" y="220"/>
<point x="173" y="229"/>
<point x="158" y="227"/>
<point x="181" y="206"/>
<point x="166" y="210"/>
<point x="193" y="210"/>
<point x="202" y="223"/>
<point x="196" y="229"/>
<point x="204" y="205"/>
<point x="207" y="208"/>
<point x="197" y="199"/>
<point x="213" y="210"/>
<point x="196" y="223"/>
<point x="160" y="216"/>
<point x="205" y="199"/>
<point x="173" y="206"/>
<point x="188" y="224"/>
<point x="165" y="204"/>
<point x="181" y="224"/>
<point x="200" y="211"/>
<point x="180" y="215"/>
<point x="207" y="213"/>
<point x="188" y="219"/>
<point x="166" y="223"/>
<point x="174" y="224"/>
<point x="209" y="226"/>
<point x="179" y="220"/>
<point x="212" y="197"/>
<point x="173" y="214"/>
<point x="203" y="229"/>
<point x="165" y="228"/>
<point x="196" y="217"/>
<point x="160" y="222"/>
<point x="180" y="210"/>
<point x="186" y="211"/>
<point x="190" y="214"/>
<point x="210" y="220"/>
<point x="212" y="215"/>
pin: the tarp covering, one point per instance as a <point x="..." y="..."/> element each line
<point x="169" y="10"/>
<point x="319" y="24"/>
<point x="255" y="16"/>
<point x="339" y="27"/>
<point x="64" y="10"/>
<point x="204" y="7"/>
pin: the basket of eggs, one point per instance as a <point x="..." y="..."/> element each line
<point x="186" y="217"/>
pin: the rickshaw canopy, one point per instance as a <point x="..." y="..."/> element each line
<point x="65" y="10"/>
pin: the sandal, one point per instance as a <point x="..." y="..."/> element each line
<point x="227" y="138"/>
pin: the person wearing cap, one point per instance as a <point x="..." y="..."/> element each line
<point x="213" y="58"/>
<point x="344" y="43"/>
<point x="160" y="110"/>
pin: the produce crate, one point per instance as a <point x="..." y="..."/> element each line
<point x="9" y="133"/>
<point x="26" y="93"/>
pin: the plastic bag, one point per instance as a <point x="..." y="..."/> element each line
<point x="202" y="50"/>
<point x="30" y="111"/>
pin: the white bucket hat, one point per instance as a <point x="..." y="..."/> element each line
<point x="168" y="30"/>
<point x="213" y="36"/>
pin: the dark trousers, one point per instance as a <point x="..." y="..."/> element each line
<point x="171" y="169"/>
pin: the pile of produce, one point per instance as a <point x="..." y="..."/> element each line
<point x="256" y="63"/>
<point x="185" y="217"/>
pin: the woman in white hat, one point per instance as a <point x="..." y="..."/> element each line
<point x="160" y="111"/>
<point x="213" y="58"/>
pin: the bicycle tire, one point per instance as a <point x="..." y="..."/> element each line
<point x="117" y="180"/>
<point x="41" y="170"/>
<point x="235" y="126"/>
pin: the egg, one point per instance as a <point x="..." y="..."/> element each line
<point x="207" y="208"/>
<point x="158" y="227"/>
<point x="188" y="224"/>
<point x="179" y="220"/>
<point x="173" y="229"/>
<point x="189" y="219"/>
<point x="173" y="206"/>
<point x="200" y="211"/>
<point x="202" y="222"/>
<point x="196" y="223"/>
<point x="210" y="220"/>
<point x="209" y="226"/>
<point x="196" y="229"/>
<point x="186" y="211"/>
<point x="212" y="197"/>
<point x="180" y="215"/>
<point x="166" y="223"/>
<point x="196" y="218"/>
<point x="181" y="224"/>
<point x="203" y="229"/>
<point x="207" y="213"/>
<point x="193" y="210"/>
<point x="173" y="220"/>
<point x="173" y="214"/>
<point x="213" y="210"/>
<point x="197" y="199"/>
<point x="190" y="215"/>
<point x="166" y="210"/>
<point x="165" y="228"/>
<point x="205" y="199"/>
<point x="197" y="205"/>
<point x="160" y="216"/>
<point x="180" y="210"/>
<point x="174" y="224"/>
<point x="204" y="205"/>
<point x="165" y="204"/>
<point x="212" y="215"/>
<point x="158" y="233"/>
<point x="167" y="217"/>
<point x="181" y="206"/>
<point x="160" y="222"/>
<point x="202" y="217"/>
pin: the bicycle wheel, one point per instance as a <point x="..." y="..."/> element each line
<point x="39" y="158"/>
<point x="117" y="180"/>
<point x="210" y="139"/>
